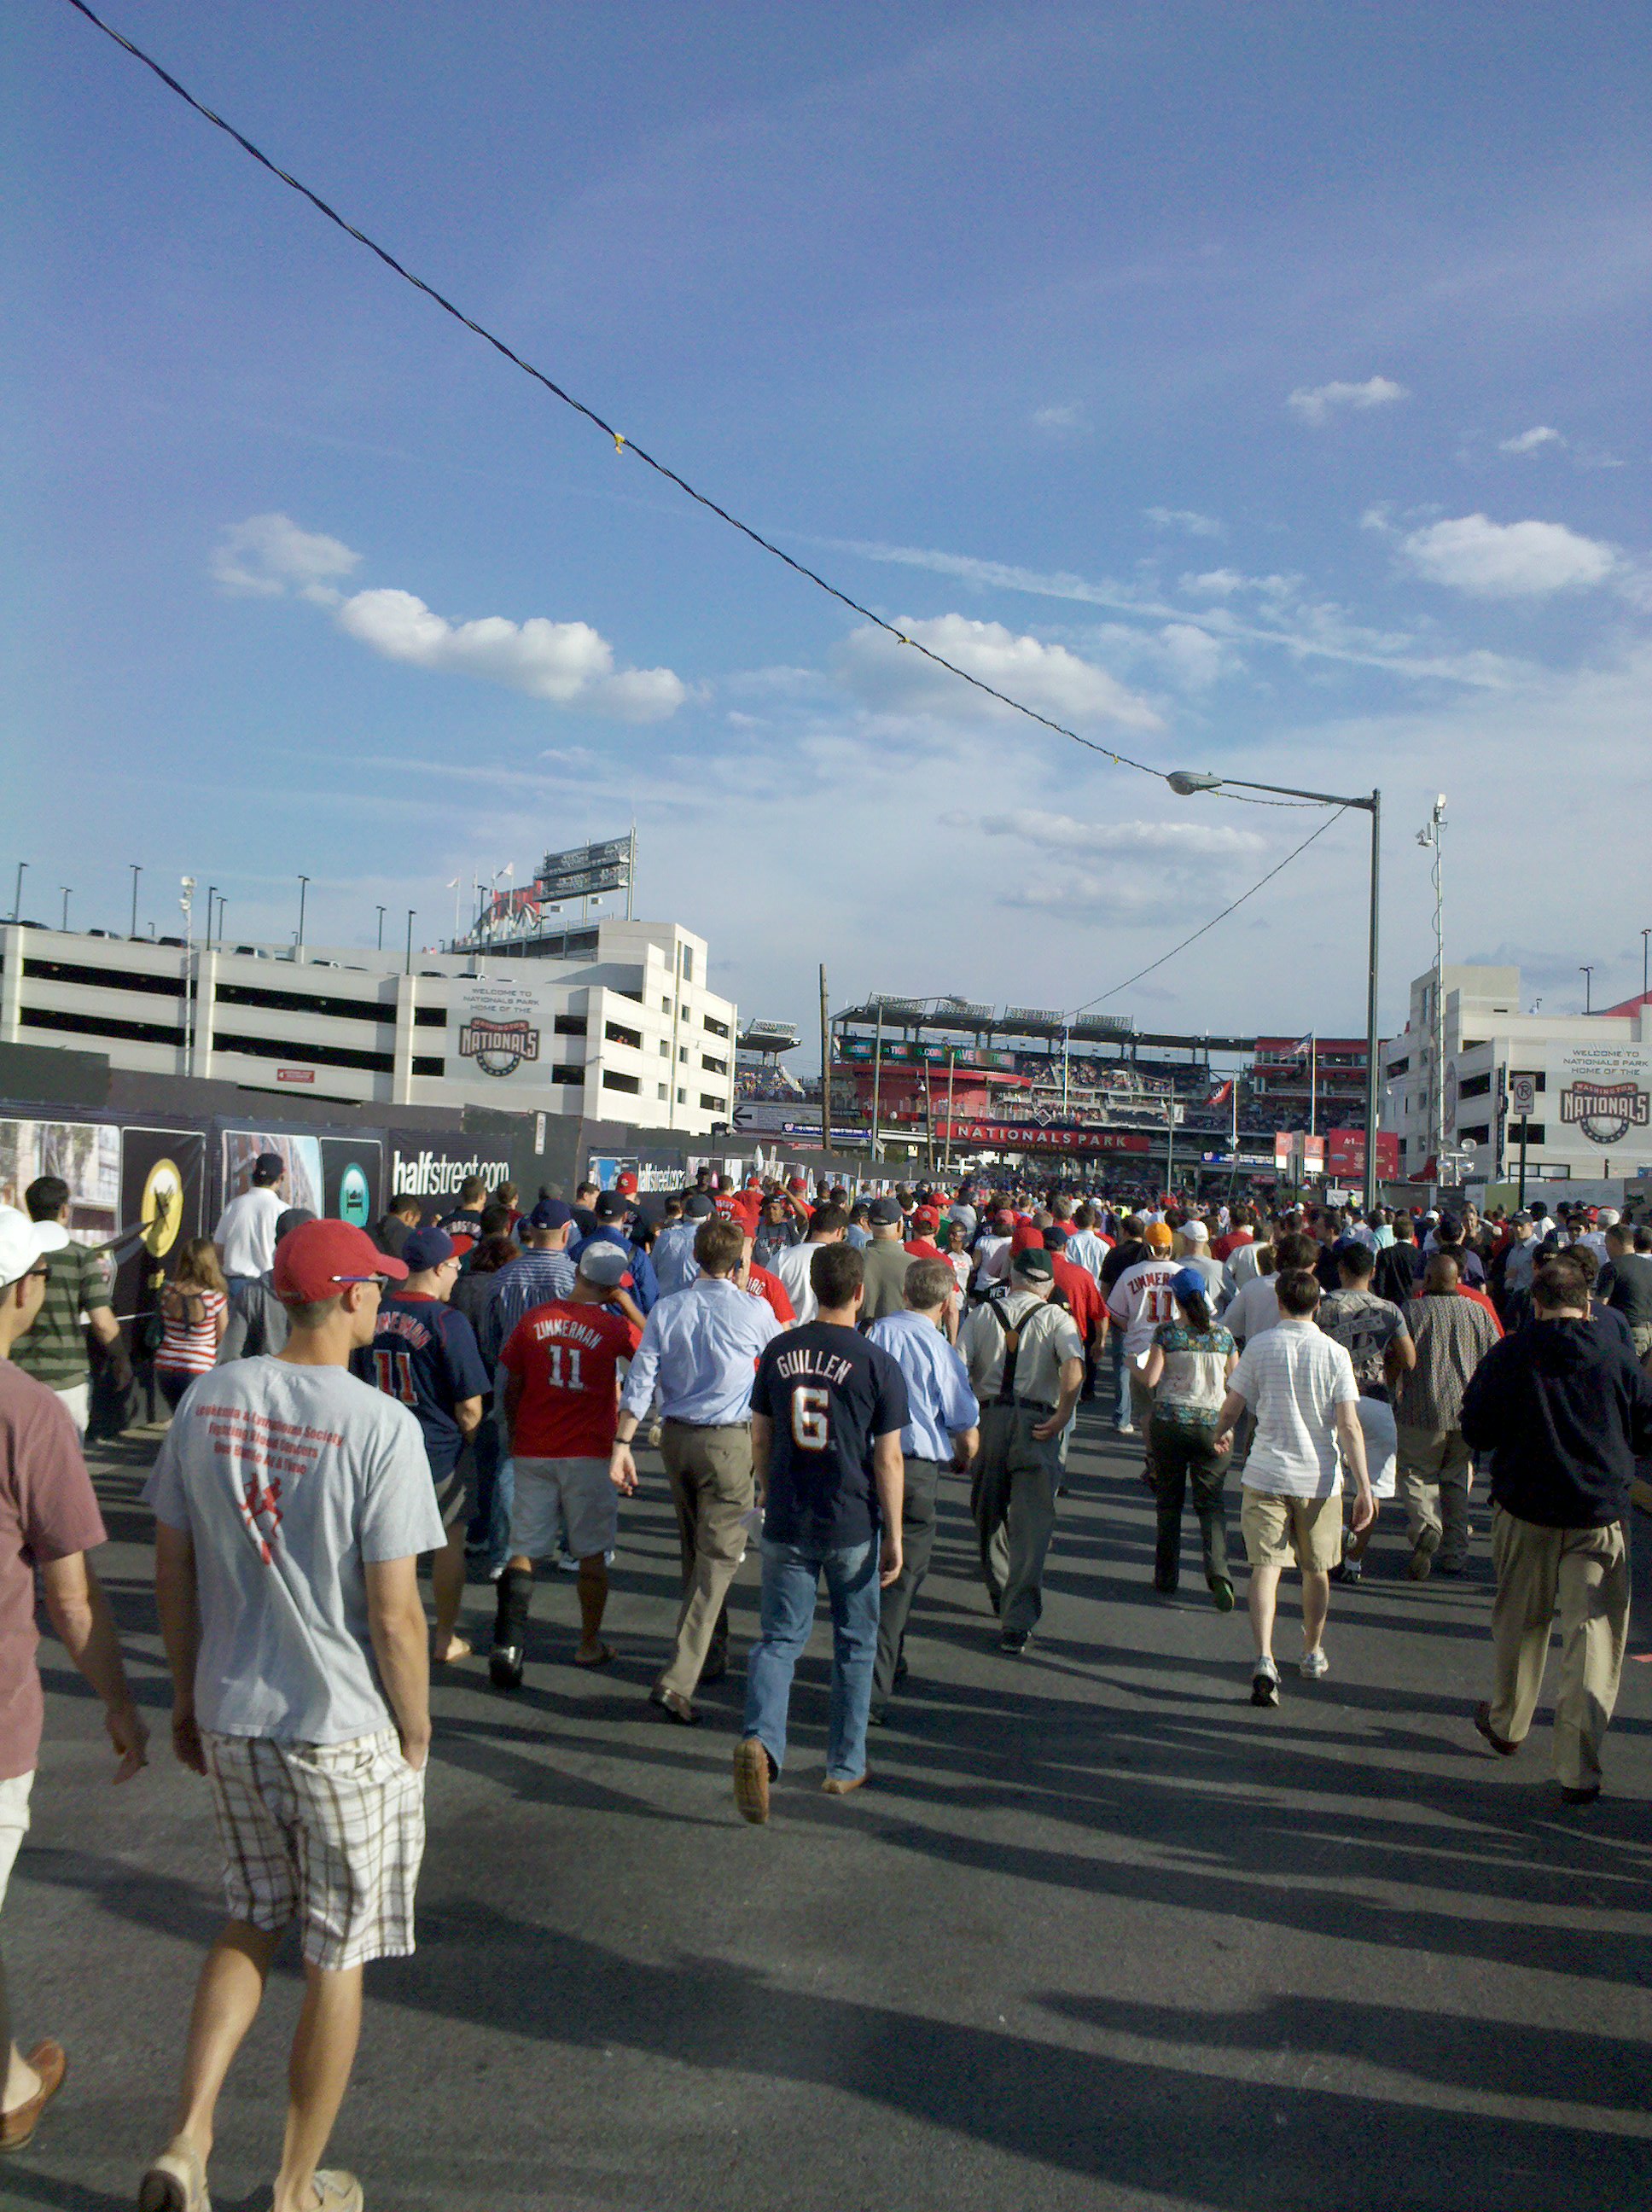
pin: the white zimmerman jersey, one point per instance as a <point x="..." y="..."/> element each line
<point x="1141" y="1299"/>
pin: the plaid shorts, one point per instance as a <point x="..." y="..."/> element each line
<point x="328" y="1834"/>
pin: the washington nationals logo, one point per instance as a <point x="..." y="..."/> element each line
<point x="1606" y="1112"/>
<point x="498" y="1047"/>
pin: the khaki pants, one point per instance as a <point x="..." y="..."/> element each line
<point x="1433" y="1459"/>
<point x="1585" y="1573"/>
<point x="710" y="1473"/>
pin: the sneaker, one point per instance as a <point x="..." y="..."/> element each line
<point x="1222" y="1594"/>
<point x="567" y="1564"/>
<point x="1014" y="1642"/>
<point x="753" y="1770"/>
<point x="1455" y="1570"/>
<point x="1420" y="1564"/>
<point x="1126" y="1429"/>
<point x="1315" y="1666"/>
<point x="1350" y="1572"/>
<point x="1264" y="1683"/>
<point x="504" y="1666"/>
<point x="175" y="2182"/>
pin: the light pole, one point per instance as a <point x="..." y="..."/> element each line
<point x="1428" y="836"/>
<point x="64" y="887"/>
<point x="186" y="906"/>
<point x="303" y="886"/>
<point x="1646" y="937"/>
<point x="1184" y="783"/>
<point x="1587" y="974"/>
<point x="137" y="873"/>
<point x="382" y="911"/>
<point x="17" y="895"/>
<point x="411" y="911"/>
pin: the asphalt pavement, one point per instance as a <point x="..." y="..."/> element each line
<point x="1097" y="1933"/>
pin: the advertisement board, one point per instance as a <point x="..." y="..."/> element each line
<point x="352" y="1176"/>
<point x="300" y="1156"/>
<point x="87" y="1156"/>
<point x="433" y="1168"/>
<point x="163" y="1203"/>
<point x="1605" y="1094"/>
<point x="1344" y="1153"/>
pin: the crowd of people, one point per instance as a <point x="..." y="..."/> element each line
<point x="810" y="1363"/>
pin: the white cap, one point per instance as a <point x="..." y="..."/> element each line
<point x="1608" y="1217"/>
<point x="1194" y="1233"/>
<point x="23" y="1242"/>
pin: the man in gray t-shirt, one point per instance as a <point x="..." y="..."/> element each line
<point x="291" y="1505"/>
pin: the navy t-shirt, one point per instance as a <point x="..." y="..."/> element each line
<point x="829" y="1393"/>
<point x="425" y="1355"/>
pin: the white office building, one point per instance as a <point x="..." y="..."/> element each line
<point x="1580" y="1085"/>
<point x="614" y="1024"/>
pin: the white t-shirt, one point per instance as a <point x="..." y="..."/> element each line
<point x="1141" y="1300"/>
<point x="289" y="1481"/>
<point x="247" y="1232"/>
<point x="991" y="1260"/>
<point x="792" y="1267"/>
<point x="1381" y="1446"/>
<point x="1242" y="1265"/>
<point x="1293" y="1378"/>
<point x="1254" y="1310"/>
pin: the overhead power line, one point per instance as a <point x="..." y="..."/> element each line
<point x="622" y="444"/>
<point x="1206" y="928"/>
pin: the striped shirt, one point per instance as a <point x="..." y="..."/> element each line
<point x="189" y="1343"/>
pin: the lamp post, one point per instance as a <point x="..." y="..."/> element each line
<point x="64" y="887"/>
<point x="1646" y="938"/>
<point x="1587" y="972"/>
<point x="1185" y="784"/>
<point x="1429" y="837"/>
<point x="411" y="911"/>
<point x="303" y="887"/>
<point x="381" y="911"/>
<point x="17" y="895"/>
<point x="137" y="873"/>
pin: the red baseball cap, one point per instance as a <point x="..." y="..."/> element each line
<point x="317" y="1259"/>
<point x="796" y="1183"/>
<point x="927" y="1216"/>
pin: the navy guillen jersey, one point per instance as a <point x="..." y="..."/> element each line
<point x="425" y="1355"/>
<point x="831" y="1394"/>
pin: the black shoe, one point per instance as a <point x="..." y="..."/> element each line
<point x="1570" y="1797"/>
<point x="504" y="1666"/>
<point x="1014" y="1642"/>
<point x="714" y="1672"/>
<point x="901" y="1670"/>
<point x="1483" y="1722"/>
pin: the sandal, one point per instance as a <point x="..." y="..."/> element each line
<point x="605" y="1656"/>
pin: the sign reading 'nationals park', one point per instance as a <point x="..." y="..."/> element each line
<point x="1035" y="1137"/>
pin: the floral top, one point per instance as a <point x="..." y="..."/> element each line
<point x="1194" y="1381"/>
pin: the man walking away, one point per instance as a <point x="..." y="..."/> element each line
<point x="464" y="1224"/>
<point x="1026" y="1364"/>
<point x="941" y="1431"/>
<point x="886" y="1262"/>
<point x="675" y="1265"/>
<point x="1564" y="1412"/>
<point x="49" y="1520"/>
<point x="391" y="1230"/>
<point x="257" y="1319"/>
<point x="245" y="1234"/>
<point x="76" y="1282"/>
<point x="1400" y="1265"/>
<point x="1375" y="1336"/>
<point x="559" y="1370"/>
<point x="1452" y="1334"/>
<point x="291" y="1506"/>
<point x="1138" y="1301"/>
<point x="827" y="1412"/>
<point x="541" y="1273"/>
<point x="700" y="1348"/>
<point x="828" y="1224"/>
<point x="1300" y="1386"/>
<point x="424" y="1355"/>
<point x="1628" y="1283"/>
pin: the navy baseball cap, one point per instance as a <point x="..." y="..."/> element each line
<point x="426" y="1248"/>
<point x="884" y="1212"/>
<point x="697" y="1206"/>
<point x="612" y="1206"/>
<point x="550" y="1213"/>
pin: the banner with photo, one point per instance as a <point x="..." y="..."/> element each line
<point x="85" y="1154"/>
<point x="301" y="1159"/>
<point x="162" y="1205"/>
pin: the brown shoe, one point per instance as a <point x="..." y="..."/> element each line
<point x="836" y="1786"/>
<point x="751" y="1779"/>
<point x="175" y="2183"/>
<point x="50" y="2062"/>
<point x="1483" y="1722"/>
<point x="674" y="1703"/>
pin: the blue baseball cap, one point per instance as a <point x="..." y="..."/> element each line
<point x="1187" y="1282"/>
<point x="550" y="1213"/>
<point x="423" y="1248"/>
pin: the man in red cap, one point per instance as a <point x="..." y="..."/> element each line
<point x="291" y="1507"/>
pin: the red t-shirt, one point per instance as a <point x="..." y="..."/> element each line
<point x="1225" y="1246"/>
<point x="1083" y="1293"/>
<point x="566" y="1356"/>
<point x="924" y="1247"/>
<point x="759" y="1284"/>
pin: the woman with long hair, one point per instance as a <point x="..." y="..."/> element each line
<point x="1187" y="1370"/>
<point x="194" y="1308"/>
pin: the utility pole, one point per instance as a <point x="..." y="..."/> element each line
<point x="411" y="911"/>
<point x="825" y="1067"/>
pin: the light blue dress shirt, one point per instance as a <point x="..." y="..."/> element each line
<point x="939" y="1398"/>
<point x="675" y="1265"/>
<point x="701" y="1346"/>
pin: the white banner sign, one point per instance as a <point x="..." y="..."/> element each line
<point x="1605" y="1092"/>
<point x="502" y="1032"/>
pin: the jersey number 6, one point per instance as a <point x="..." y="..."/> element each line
<point x="810" y="1429"/>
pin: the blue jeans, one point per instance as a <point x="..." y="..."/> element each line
<point x="489" y="1531"/>
<point x="791" y="1585"/>
<point x="1120" y="1380"/>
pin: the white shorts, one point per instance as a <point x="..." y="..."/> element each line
<point x="551" y="1491"/>
<point x="1381" y="1446"/>
<point x="14" y="1823"/>
<point x="329" y="1834"/>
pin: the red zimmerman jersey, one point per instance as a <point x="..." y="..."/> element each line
<point x="566" y="1358"/>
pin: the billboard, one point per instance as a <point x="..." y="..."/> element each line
<point x="1344" y="1153"/>
<point x="501" y="1031"/>
<point x="1605" y="1093"/>
<point x="584" y="871"/>
<point x="436" y="1169"/>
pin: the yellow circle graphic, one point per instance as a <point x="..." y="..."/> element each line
<point x="161" y="1211"/>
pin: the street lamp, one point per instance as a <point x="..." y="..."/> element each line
<point x="1430" y="838"/>
<point x="17" y="895"/>
<point x="1587" y="974"/>
<point x="64" y="887"/>
<point x="1185" y="783"/>
<point x="137" y="873"/>
<point x="411" y="911"/>
<point x="1646" y="937"/>
<point x="303" y="886"/>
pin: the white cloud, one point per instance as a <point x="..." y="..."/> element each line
<point x="1047" y="677"/>
<point x="1315" y="405"/>
<point x="1137" y="839"/>
<point x="567" y="664"/>
<point x="268" y="554"/>
<point x="1531" y="442"/>
<point x="1215" y="583"/>
<point x="1507" y="561"/>
<point x="1069" y="417"/>
<point x="1184" y="518"/>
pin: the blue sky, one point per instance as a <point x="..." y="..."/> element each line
<point x="1259" y="389"/>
